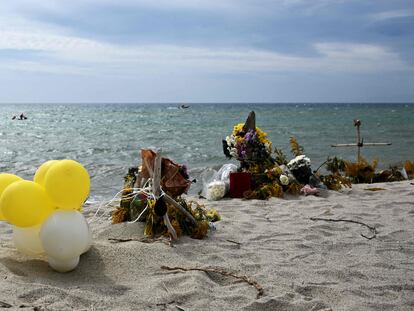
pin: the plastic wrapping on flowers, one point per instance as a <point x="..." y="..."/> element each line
<point x="217" y="185"/>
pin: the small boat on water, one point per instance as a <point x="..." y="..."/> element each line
<point x="184" y="106"/>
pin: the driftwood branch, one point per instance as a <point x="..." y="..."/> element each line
<point x="235" y="242"/>
<point x="259" y="288"/>
<point x="372" y="229"/>
<point x="142" y="240"/>
<point x="170" y="200"/>
<point x="156" y="189"/>
<point x="171" y="229"/>
<point x="5" y="305"/>
<point x="156" y="177"/>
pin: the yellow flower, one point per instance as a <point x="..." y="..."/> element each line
<point x="237" y="128"/>
<point x="261" y="136"/>
<point x="213" y="215"/>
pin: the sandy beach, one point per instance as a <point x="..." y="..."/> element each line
<point x="291" y="261"/>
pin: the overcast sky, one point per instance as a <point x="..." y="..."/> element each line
<point x="207" y="51"/>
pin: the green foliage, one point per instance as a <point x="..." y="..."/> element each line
<point x="265" y="192"/>
<point x="389" y="175"/>
<point x="201" y="214"/>
<point x="335" y="181"/>
<point x="409" y="168"/>
<point x="296" y="149"/>
<point x="361" y="171"/>
<point x="335" y="165"/>
<point x="280" y="157"/>
<point x="294" y="188"/>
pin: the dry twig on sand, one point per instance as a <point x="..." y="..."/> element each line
<point x="374" y="189"/>
<point x="234" y="242"/>
<point x="259" y="288"/>
<point x="5" y="305"/>
<point x="142" y="240"/>
<point x="372" y="229"/>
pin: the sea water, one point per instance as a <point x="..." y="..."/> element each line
<point x="107" y="138"/>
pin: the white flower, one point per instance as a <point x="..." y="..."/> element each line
<point x="299" y="161"/>
<point x="231" y="141"/>
<point x="284" y="180"/>
<point x="233" y="152"/>
<point x="216" y="190"/>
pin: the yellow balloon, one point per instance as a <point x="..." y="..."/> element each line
<point x="67" y="183"/>
<point x="5" y="180"/>
<point x="40" y="174"/>
<point x="25" y="204"/>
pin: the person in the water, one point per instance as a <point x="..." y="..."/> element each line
<point x="21" y="117"/>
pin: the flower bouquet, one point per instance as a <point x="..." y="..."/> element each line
<point x="165" y="212"/>
<point x="270" y="177"/>
<point x="300" y="167"/>
<point x="250" y="145"/>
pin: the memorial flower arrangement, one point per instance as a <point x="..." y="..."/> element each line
<point x="249" y="146"/>
<point x="272" y="174"/>
<point x="301" y="161"/>
<point x="164" y="212"/>
<point x="343" y="173"/>
<point x="274" y="182"/>
<point x="300" y="167"/>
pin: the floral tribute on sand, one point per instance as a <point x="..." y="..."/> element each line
<point x="271" y="174"/>
<point x="153" y="194"/>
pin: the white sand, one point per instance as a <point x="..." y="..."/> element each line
<point x="301" y="264"/>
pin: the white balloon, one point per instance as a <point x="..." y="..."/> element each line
<point x="65" y="234"/>
<point x="27" y="240"/>
<point x="63" y="265"/>
<point x="89" y="241"/>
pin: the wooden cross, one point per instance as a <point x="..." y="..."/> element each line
<point x="360" y="142"/>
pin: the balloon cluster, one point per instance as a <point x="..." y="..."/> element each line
<point x="45" y="212"/>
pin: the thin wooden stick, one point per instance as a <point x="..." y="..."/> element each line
<point x="156" y="190"/>
<point x="231" y="241"/>
<point x="122" y="240"/>
<point x="5" y="305"/>
<point x="156" y="178"/>
<point x="170" y="200"/>
<point x="147" y="165"/>
<point x="143" y="240"/>
<point x="259" y="288"/>
<point x="357" y="123"/>
<point x="171" y="229"/>
<point x="372" y="229"/>
<point x="365" y="144"/>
